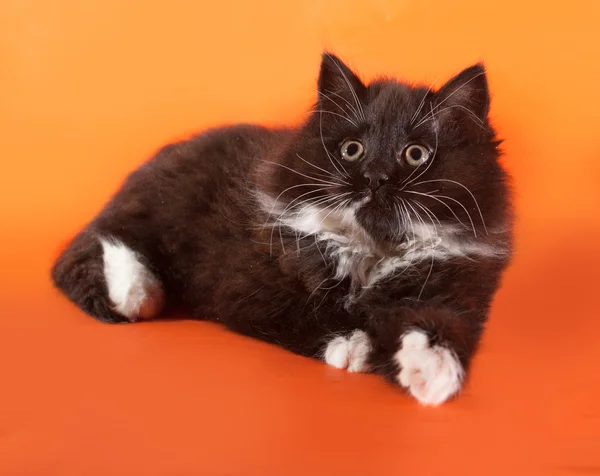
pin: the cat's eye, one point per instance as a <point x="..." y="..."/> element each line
<point x="352" y="150"/>
<point x="416" y="155"/>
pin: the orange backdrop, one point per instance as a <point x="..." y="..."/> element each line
<point x="88" y="89"/>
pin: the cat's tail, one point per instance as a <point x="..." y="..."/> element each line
<point x="107" y="280"/>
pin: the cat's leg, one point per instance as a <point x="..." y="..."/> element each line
<point x="108" y="279"/>
<point x="425" y="350"/>
<point x="277" y="309"/>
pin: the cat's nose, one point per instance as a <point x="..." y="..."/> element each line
<point x="375" y="179"/>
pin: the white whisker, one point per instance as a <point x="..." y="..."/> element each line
<point x="275" y="202"/>
<point x="432" y="245"/>
<point x="352" y="91"/>
<point x="405" y="183"/>
<point x="472" y="116"/>
<point x="422" y="103"/>
<point x="323" y="170"/>
<point x="328" y="182"/>
<point x="438" y="198"/>
<point x="322" y="111"/>
<point x="329" y="156"/>
<point x="427" y="211"/>
<point x="426" y="118"/>
<point x="350" y="106"/>
<point x="468" y="191"/>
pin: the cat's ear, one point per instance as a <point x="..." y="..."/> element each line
<point x="337" y="80"/>
<point x="466" y="94"/>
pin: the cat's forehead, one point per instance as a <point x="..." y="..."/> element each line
<point x="391" y="102"/>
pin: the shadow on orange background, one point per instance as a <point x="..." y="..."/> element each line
<point x="89" y="89"/>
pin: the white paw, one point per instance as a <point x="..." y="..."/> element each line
<point x="431" y="374"/>
<point x="350" y="354"/>
<point x="135" y="292"/>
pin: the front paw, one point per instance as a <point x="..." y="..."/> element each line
<point x="431" y="374"/>
<point x="349" y="353"/>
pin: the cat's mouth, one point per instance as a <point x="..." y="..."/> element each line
<point x="362" y="199"/>
<point x="376" y="214"/>
<point x="374" y="198"/>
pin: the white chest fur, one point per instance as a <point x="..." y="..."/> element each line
<point x="356" y="255"/>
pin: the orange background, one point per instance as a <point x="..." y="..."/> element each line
<point x="89" y="89"/>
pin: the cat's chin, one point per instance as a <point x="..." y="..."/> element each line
<point x="363" y="199"/>
<point x="371" y="216"/>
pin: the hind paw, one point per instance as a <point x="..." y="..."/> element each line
<point x="132" y="288"/>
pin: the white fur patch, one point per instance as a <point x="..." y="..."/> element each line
<point x="135" y="292"/>
<point x="431" y="374"/>
<point x="336" y="353"/>
<point x="350" y="354"/>
<point x="357" y="255"/>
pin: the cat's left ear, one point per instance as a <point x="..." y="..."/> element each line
<point x="336" y="79"/>
<point x="466" y="94"/>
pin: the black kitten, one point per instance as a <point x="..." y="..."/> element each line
<point x="372" y="237"/>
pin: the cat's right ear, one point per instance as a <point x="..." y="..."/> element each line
<point x="337" y="80"/>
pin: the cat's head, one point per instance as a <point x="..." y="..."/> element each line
<point x="398" y="158"/>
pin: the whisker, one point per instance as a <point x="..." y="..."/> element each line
<point x="438" y="198"/>
<point x="326" y="171"/>
<point x="459" y="88"/>
<point x="336" y="207"/>
<point x="471" y="116"/>
<point x="468" y="191"/>
<point x="289" y="205"/>
<point x="307" y="202"/>
<point x="408" y="237"/>
<point x="409" y="219"/>
<point x="466" y="109"/>
<point x="420" y="218"/>
<point x="319" y="250"/>
<point x="280" y="222"/>
<point x="432" y="254"/>
<point x="427" y="278"/>
<point x="422" y="103"/>
<point x="319" y="189"/>
<point x="350" y="106"/>
<point x="319" y="186"/>
<point x="400" y="219"/>
<point x="455" y="91"/>
<point x="327" y="199"/>
<point x="329" y="156"/>
<point x="358" y="105"/>
<point x="463" y="207"/>
<point x="304" y="175"/>
<point x="407" y="182"/>
<point x="427" y="210"/>
<point x="323" y="111"/>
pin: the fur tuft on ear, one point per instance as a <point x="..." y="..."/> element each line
<point x="337" y="80"/>
<point x="466" y="93"/>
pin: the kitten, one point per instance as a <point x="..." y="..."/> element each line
<point x="372" y="237"/>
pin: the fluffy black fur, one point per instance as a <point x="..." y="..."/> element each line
<point x="195" y="214"/>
